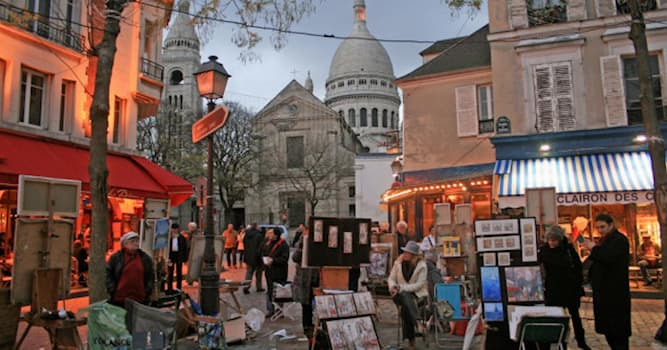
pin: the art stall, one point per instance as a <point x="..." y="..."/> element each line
<point x="336" y="246"/>
<point x="511" y="279"/>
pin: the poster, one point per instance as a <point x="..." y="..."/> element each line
<point x="318" y="231"/>
<point x="161" y="233"/>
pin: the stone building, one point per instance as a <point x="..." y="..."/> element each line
<point x="360" y="85"/>
<point x="306" y="162"/>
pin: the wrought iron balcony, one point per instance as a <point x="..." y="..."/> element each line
<point x="486" y="126"/>
<point x="548" y="14"/>
<point x="152" y="69"/>
<point x="37" y="24"/>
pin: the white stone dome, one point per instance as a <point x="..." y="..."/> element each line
<point x="360" y="53"/>
<point x="182" y="32"/>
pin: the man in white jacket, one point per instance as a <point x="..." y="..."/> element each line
<point x="407" y="284"/>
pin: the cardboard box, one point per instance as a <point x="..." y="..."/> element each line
<point x="234" y="330"/>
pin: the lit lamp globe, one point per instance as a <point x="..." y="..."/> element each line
<point x="212" y="79"/>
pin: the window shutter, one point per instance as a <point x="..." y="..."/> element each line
<point x="466" y="110"/>
<point x="576" y="10"/>
<point x="564" y="96"/>
<point x="544" y="101"/>
<point x="605" y="8"/>
<point x="519" y="13"/>
<point x="612" y="88"/>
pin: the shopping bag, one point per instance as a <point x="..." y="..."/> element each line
<point x="106" y="327"/>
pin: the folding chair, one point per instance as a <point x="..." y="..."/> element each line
<point x="543" y="329"/>
<point x="282" y="294"/>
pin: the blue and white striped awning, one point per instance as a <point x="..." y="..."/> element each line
<point x="614" y="172"/>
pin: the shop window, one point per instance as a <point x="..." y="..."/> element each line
<point x="631" y="84"/>
<point x="118" y="119"/>
<point x="374" y="117"/>
<point x="363" y="117"/>
<point x="554" y="97"/>
<point x="295" y="151"/>
<point x="485" y="108"/>
<point x="33" y="92"/>
<point x="66" y="115"/>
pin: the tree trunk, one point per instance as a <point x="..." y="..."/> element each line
<point x="97" y="168"/>
<point x="656" y="144"/>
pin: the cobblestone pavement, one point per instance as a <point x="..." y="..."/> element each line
<point x="647" y="314"/>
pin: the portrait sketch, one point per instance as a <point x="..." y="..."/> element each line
<point x="356" y="333"/>
<point x="333" y="237"/>
<point x="325" y="307"/>
<point x="364" y="303"/>
<point x="318" y="231"/>
<point x="489" y="259"/>
<point x="345" y="305"/>
<point x="504" y="259"/>
<point x="363" y="233"/>
<point x="347" y="242"/>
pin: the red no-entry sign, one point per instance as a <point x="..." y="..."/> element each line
<point x="209" y="123"/>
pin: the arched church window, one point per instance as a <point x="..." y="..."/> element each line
<point x="362" y="81"/>
<point x="350" y="82"/>
<point x="374" y="117"/>
<point x="392" y="120"/>
<point x="374" y="82"/>
<point x="176" y="78"/>
<point x="351" y="117"/>
<point x="341" y="83"/>
<point x="384" y="118"/>
<point x="363" y="118"/>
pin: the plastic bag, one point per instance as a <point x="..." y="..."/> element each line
<point x="106" y="327"/>
<point x="254" y="319"/>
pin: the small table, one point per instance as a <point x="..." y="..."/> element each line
<point x="231" y="287"/>
<point x="61" y="332"/>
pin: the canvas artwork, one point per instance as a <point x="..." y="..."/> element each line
<point x="345" y="305"/>
<point x="524" y="283"/>
<point x="493" y="312"/>
<point x="489" y="259"/>
<point x="347" y="242"/>
<point x="498" y="243"/>
<point x="379" y="260"/>
<point x="528" y="240"/>
<point x="318" y="231"/>
<point x="333" y="237"/>
<point x="364" y="303"/>
<point x="363" y="233"/>
<point x="490" y="284"/>
<point x="356" y="333"/>
<point x="504" y="259"/>
<point x="161" y="233"/>
<point x="496" y="227"/>
<point x="325" y="307"/>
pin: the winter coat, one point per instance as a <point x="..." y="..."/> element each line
<point x="114" y="269"/>
<point x="181" y="255"/>
<point x="230" y="239"/>
<point x="277" y="271"/>
<point x="305" y="279"/>
<point x="252" y="243"/>
<point x="563" y="274"/>
<point x="611" y="288"/>
<point x="417" y="283"/>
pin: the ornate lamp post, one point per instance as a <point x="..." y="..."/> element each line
<point x="211" y="81"/>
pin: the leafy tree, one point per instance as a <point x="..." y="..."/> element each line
<point x="104" y="33"/>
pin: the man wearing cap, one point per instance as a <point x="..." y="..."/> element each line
<point x="649" y="253"/>
<point x="178" y="254"/>
<point x="129" y="272"/>
<point x="407" y="285"/>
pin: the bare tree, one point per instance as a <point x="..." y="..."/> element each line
<point x="104" y="32"/>
<point x="234" y="148"/>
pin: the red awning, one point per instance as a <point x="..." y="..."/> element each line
<point x="129" y="176"/>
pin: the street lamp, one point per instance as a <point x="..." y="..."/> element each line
<point x="211" y="81"/>
<point x="397" y="168"/>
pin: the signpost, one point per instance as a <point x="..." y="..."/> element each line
<point x="209" y="123"/>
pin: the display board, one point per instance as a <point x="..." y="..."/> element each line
<point x="195" y="260"/>
<point x="338" y="241"/>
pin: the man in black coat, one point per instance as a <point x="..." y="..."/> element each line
<point x="275" y="255"/>
<point x="178" y="254"/>
<point x="252" y="243"/>
<point x="563" y="278"/>
<point x="611" y="288"/>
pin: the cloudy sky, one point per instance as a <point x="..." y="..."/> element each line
<point x="255" y="83"/>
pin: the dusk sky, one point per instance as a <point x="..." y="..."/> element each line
<point x="253" y="84"/>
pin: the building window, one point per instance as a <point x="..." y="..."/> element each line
<point x="392" y="121"/>
<point x="631" y="83"/>
<point x="646" y="5"/>
<point x="374" y="82"/>
<point x="350" y="82"/>
<point x="342" y="83"/>
<point x="295" y="152"/>
<point x="374" y="117"/>
<point x="554" y="98"/>
<point x="42" y="10"/>
<point x="66" y="104"/>
<point x="362" y="81"/>
<point x="383" y="83"/>
<point x="352" y="210"/>
<point x="118" y="117"/>
<point x="351" y="191"/>
<point x="351" y="117"/>
<point x="176" y="78"/>
<point x="384" y="118"/>
<point x="33" y="86"/>
<point x="296" y="212"/>
<point x="363" y="118"/>
<point x="546" y="12"/>
<point x="485" y="108"/>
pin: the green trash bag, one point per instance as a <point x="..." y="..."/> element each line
<point x="106" y="327"/>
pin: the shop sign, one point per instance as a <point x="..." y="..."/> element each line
<point x="604" y="198"/>
<point x="503" y="125"/>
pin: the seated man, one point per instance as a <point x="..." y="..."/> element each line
<point x="648" y="258"/>
<point x="407" y="284"/>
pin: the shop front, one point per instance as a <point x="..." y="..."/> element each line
<point x="134" y="184"/>
<point x="589" y="176"/>
<point x="415" y="198"/>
